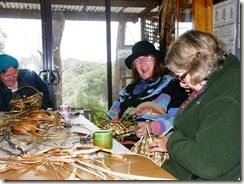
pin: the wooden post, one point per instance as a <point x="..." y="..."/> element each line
<point x="202" y="15"/>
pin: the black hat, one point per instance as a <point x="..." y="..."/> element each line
<point x="142" y="48"/>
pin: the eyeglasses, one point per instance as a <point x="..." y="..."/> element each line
<point x="182" y="77"/>
<point x="144" y="59"/>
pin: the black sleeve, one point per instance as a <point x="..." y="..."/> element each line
<point x="5" y="98"/>
<point x="177" y="93"/>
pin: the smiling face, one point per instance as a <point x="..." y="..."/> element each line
<point x="145" y="66"/>
<point x="9" y="78"/>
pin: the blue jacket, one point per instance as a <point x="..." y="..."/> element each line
<point x="156" y="100"/>
<point x="26" y="78"/>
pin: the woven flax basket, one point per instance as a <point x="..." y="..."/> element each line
<point x="30" y="102"/>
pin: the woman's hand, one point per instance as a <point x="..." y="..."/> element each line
<point x="159" y="145"/>
<point x="142" y="131"/>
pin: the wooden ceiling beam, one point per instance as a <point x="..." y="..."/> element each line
<point x="24" y="14"/>
<point x="73" y="15"/>
<point x="87" y="16"/>
<point x="120" y="17"/>
<point x="22" y="1"/>
<point x="115" y="3"/>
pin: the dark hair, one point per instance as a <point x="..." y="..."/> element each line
<point x="5" y="70"/>
<point x="158" y="71"/>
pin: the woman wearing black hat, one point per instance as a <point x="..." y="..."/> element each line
<point x="153" y="96"/>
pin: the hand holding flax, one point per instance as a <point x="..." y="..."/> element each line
<point x="143" y="129"/>
<point x="159" y="144"/>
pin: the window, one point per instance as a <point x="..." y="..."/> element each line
<point x="75" y="42"/>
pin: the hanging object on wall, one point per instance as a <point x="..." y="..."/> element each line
<point x="166" y="10"/>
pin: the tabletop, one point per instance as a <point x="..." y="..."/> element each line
<point x="83" y="125"/>
<point x="117" y="163"/>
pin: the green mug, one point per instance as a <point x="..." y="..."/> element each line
<point x="103" y="138"/>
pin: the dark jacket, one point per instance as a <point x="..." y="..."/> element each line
<point x="206" y="143"/>
<point x="25" y="78"/>
<point x="164" y="94"/>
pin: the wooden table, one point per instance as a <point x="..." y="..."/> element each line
<point x="122" y="163"/>
<point x="133" y="167"/>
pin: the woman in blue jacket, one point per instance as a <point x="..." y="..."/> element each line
<point x="153" y="96"/>
<point x="12" y="78"/>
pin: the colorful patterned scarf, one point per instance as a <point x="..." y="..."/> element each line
<point x="192" y="96"/>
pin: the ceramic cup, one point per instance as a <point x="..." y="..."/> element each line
<point x="103" y="138"/>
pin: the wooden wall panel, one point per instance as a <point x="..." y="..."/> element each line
<point x="202" y="15"/>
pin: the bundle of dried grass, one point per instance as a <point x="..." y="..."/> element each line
<point x="121" y="128"/>
<point x="33" y="127"/>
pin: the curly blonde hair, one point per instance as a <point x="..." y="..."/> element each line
<point x="200" y="53"/>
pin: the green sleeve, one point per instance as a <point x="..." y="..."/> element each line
<point x="214" y="152"/>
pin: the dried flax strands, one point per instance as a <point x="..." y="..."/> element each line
<point x="51" y="127"/>
<point x="121" y="128"/>
<point x="74" y="160"/>
<point x="141" y="147"/>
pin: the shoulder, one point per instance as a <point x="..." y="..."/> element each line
<point x="175" y="88"/>
<point x="175" y="83"/>
<point x="172" y="83"/>
<point x="27" y="72"/>
<point x="128" y="88"/>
